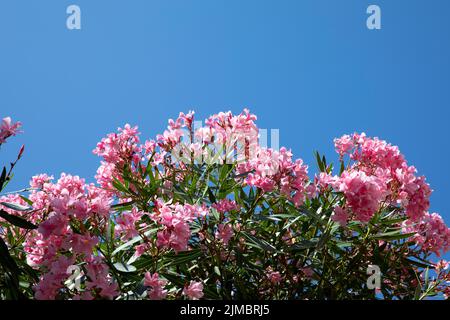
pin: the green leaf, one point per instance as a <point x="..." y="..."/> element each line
<point x="224" y="171"/>
<point x="122" y="267"/>
<point x="393" y="221"/>
<point x="5" y="258"/>
<point x="174" y="278"/>
<point x="286" y="227"/>
<point x="215" y="214"/>
<point x="136" y="239"/>
<point x="2" y="178"/>
<point x="427" y="271"/>
<point x="30" y="203"/>
<point x="259" y="243"/>
<point x="320" y="164"/>
<point x="17" y="221"/>
<point x="302" y="245"/>
<point x="119" y="186"/>
<point x="15" y="206"/>
<point x="344" y="244"/>
<point x="283" y="215"/>
<point x="122" y="205"/>
<point x="313" y="215"/>
<point x="418" y="292"/>
<point x="395" y="235"/>
<point x="211" y="196"/>
<point x="342" y="168"/>
<point x="173" y="259"/>
<point x="419" y="264"/>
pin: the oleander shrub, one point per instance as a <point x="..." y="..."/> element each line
<point x="207" y="212"/>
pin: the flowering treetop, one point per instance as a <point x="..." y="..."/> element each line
<point x="206" y="211"/>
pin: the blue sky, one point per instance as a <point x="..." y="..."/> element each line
<point x="309" y="68"/>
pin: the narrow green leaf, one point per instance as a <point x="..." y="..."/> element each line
<point x="122" y="267"/>
<point x="15" y="206"/>
<point x="2" y="178"/>
<point x="17" y="221"/>
<point x="119" y="186"/>
<point x="174" y="259"/>
<point x="5" y="258"/>
<point x="259" y="243"/>
<point x="136" y="239"/>
<point x="320" y="164"/>
<point x="30" y="203"/>
<point x="395" y="235"/>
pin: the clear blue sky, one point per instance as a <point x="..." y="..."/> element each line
<point x="310" y="68"/>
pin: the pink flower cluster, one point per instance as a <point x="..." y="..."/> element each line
<point x="378" y="174"/>
<point x="16" y="199"/>
<point x="224" y="138"/>
<point x="194" y="290"/>
<point x="72" y="216"/>
<point x="224" y="233"/>
<point x="225" y="205"/>
<point x="363" y="193"/>
<point x="126" y="224"/>
<point x="271" y="169"/>
<point x="52" y="281"/>
<point x="340" y="216"/>
<point x="55" y="245"/>
<point x="431" y="233"/>
<point x="175" y="219"/>
<point x="117" y="149"/>
<point x="228" y="129"/>
<point x="8" y="129"/>
<point x="175" y="130"/>
<point x="155" y="286"/>
<point x="99" y="281"/>
<point x="274" y="277"/>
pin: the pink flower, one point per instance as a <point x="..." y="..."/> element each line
<point x="175" y="219"/>
<point x="51" y="282"/>
<point x="117" y="149"/>
<point x="344" y="145"/>
<point x="224" y="232"/>
<point x="83" y="244"/>
<point x="180" y="235"/>
<point x="99" y="278"/>
<point x="225" y="205"/>
<point x="105" y="175"/>
<point x="39" y="181"/>
<point x="8" y="129"/>
<point x="268" y="169"/>
<point x="377" y="158"/>
<point x="140" y="249"/>
<point x="414" y="192"/>
<point x="340" y="216"/>
<point x="362" y="192"/>
<point x="274" y="277"/>
<point x="194" y="291"/>
<point x="157" y="294"/>
<point x="126" y="224"/>
<point x="54" y="225"/>
<point x="156" y="286"/>
<point x="431" y="233"/>
<point x="442" y="265"/>
<point x="84" y="296"/>
<point x="308" y="272"/>
<point x="325" y="180"/>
